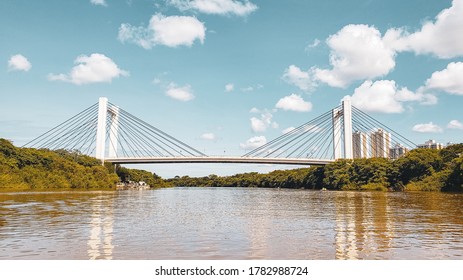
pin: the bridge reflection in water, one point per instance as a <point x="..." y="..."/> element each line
<point x="100" y="242"/>
<point x="364" y="226"/>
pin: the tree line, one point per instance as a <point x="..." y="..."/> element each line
<point x="42" y="169"/>
<point x="420" y="169"/>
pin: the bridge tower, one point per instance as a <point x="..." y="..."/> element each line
<point x="342" y="130"/>
<point x="103" y="111"/>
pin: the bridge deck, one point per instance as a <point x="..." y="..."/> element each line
<point x="286" y="161"/>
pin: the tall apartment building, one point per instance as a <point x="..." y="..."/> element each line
<point x="360" y="144"/>
<point x="431" y="144"/>
<point x="380" y="143"/>
<point x="397" y="151"/>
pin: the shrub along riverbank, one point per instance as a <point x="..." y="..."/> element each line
<point x="418" y="170"/>
<point x="23" y="169"/>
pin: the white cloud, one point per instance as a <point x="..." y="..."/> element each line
<point x="314" y="44"/>
<point x="96" y="68"/>
<point x="171" y="31"/>
<point x="286" y="130"/>
<point x="265" y="121"/>
<point x="258" y="125"/>
<point x="449" y="80"/>
<point x="99" y="2"/>
<point x="254" y="110"/>
<point x="454" y="124"/>
<point x="229" y="87"/>
<point x="427" y="128"/>
<point x="208" y="136"/>
<point x="295" y="76"/>
<point x="307" y="128"/>
<point x="218" y="7"/>
<point x="19" y="62"/>
<point x="294" y="102"/>
<point x="441" y="37"/>
<point x="357" y="52"/>
<point x="253" y="143"/>
<point x="180" y="93"/>
<point x="252" y="88"/>
<point x="385" y="97"/>
<point x="405" y="95"/>
<point x="312" y="128"/>
<point x="377" y="97"/>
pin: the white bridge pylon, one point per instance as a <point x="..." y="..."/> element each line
<point x="103" y="111"/>
<point x="342" y="116"/>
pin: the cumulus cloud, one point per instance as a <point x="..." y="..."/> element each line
<point x="288" y="129"/>
<point x="99" y="2"/>
<point x="384" y="96"/>
<point x="254" y="110"/>
<point x="263" y="122"/>
<point x="441" y="37"/>
<point x="302" y="79"/>
<point x="454" y="124"/>
<point x="229" y="87"/>
<point x="96" y="68"/>
<point x="427" y="128"/>
<point x="19" y="62"/>
<point x="449" y="80"/>
<point x="357" y="52"/>
<point x="208" y="136"/>
<point x="217" y="7"/>
<point x="294" y="102"/>
<point x="171" y="31"/>
<point x="180" y="93"/>
<point x="253" y="143"/>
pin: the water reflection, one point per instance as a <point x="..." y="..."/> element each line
<point x="363" y="226"/>
<point x="101" y="229"/>
<point x="214" y="223"/>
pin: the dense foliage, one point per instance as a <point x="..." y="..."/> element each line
<point x="26" y="169"/>
<point x="137" y="175"/>
<point x="33" y="169"/>
<point x="420" y="169"/>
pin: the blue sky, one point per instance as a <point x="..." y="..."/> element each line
<point x="227" y="75"/>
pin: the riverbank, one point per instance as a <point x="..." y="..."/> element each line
<point x="27" y="169"/>
<point x="418" y="170"/>
<point x="24" y="169"/>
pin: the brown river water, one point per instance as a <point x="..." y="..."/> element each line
<point x="231" y="223"/>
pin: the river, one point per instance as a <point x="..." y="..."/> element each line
<point x="231" y="223"/>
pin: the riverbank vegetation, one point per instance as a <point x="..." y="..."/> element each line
<point x="23" y="169"/>
<point x="418" y="170"/>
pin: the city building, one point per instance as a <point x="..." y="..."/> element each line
<point x="431" y="144"/>
<point x="380" y="143"/>
<point x="360" y="144"/>
<point x="397" y="151"/>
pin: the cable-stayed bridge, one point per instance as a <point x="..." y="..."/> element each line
<point x="112" y="134"/>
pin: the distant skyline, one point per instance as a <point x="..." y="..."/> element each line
<point x="226" y="76"/>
